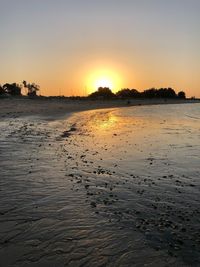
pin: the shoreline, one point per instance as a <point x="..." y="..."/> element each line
<point x="124" y="184"/>
<point x="55" y="108"/>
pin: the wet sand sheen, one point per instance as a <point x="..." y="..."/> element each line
<point x="107" y="188"/>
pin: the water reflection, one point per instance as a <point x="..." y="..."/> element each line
<point x="106" y="121"/>
<point x="101" y="120"/>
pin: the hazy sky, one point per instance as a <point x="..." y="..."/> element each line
<point x="67" y="46"/>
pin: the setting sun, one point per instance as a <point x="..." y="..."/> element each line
<point x="104" y="83"/>
<point x="103" y="78"/>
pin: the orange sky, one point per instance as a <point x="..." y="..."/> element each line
<point x="70" y="47"/>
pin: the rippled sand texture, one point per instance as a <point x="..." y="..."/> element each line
<point x="103" y="188"/>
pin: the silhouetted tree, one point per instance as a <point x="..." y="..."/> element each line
<point x="181" y="94"/>
<point x="102" y="92"/>
<point x="171" y="93"/>
<point x="150" y="93"/>
<point x="135" y="93"/>
<point x="128" y="93"/>
<point x="166" y="93"/>
<point x="12" y="89"/>
<point x="124" y="93"/>
<point x="2" y="91"/>
<point x="32" y="88"/>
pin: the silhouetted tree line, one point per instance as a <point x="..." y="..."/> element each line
<point x="15" y="89"/>
<point x="106" y="93"/>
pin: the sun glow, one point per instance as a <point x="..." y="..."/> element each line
<point x="104" y="83"/>
<point x="103" y="78"/>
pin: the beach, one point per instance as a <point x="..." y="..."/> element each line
<point x="99" y="183"/>
<point x="57" y="107"/>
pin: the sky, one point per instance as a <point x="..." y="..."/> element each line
<point x="70" y="47"/>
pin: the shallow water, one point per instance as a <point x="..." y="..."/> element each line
<point x="121" y="188"/>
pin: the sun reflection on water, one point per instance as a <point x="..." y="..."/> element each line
<point x="107" y="121"/>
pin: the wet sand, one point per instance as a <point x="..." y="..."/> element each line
<point x="100" y="188"/>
